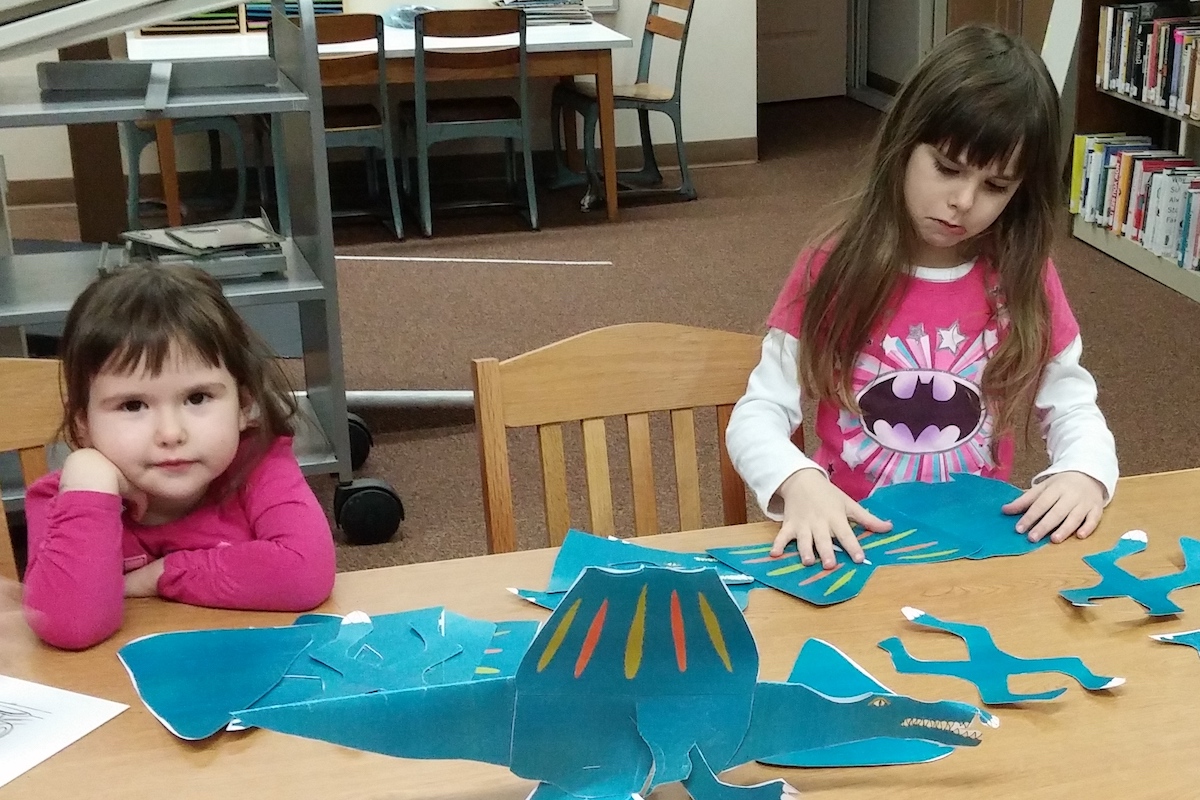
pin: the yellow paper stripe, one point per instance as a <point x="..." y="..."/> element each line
<point x="637" y="637"/>
<point x="750" y="551"/>
<point x="895" y="537"/>
<point x="713" y="626"/>
<point x="917" y="556"/>
<point x="486" y="671"/>
<point x="786" y="570"/>
<point x="840" y="582"/>
<point x="560" y="633"/>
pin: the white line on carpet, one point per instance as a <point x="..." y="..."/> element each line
<point x="479" y="260"/>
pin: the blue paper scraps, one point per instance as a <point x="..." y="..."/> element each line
<point x="1150" y="593"/>
<point x="640" y="677"/>
<point x="931" y="522"/>
<point x="581" y="550"/>
<point x="989" y="667"/>
<point x="1189" y="638"/>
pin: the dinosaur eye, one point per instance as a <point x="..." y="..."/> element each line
<point x="880" y="702"/>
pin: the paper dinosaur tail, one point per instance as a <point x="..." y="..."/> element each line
<point x="470" y="720"/>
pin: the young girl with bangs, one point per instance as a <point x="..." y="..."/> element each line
<point x="930" y="324"/>
<point x="182" y="483"/>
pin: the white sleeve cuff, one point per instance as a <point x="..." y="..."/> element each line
<point x="1077" y="436"/>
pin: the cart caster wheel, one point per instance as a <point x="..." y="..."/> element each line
<point x="367" y="510"/>
<point x="360" y="440"/>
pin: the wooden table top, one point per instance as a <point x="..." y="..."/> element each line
<point x="1140" y="740"/>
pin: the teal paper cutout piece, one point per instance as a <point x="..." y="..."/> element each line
<point x="989" y="667"/>
<point x="194" y="680"/>
<point x="826" y="669"/>
<point x="1151" y="594"/>
<point x="1189" y="638"/>
<point x="190" y="680"/>
<point x="966" y="508"/>
<point x="582" y="550"/>
<point x="638" y="678"/>
<point x="508" y="646"/>
<point x="550" y="600"/>
<point x="908" y="542"/>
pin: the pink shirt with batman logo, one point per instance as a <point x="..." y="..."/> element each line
<point x="917" y="382"/>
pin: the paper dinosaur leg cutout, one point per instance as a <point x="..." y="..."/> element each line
<point x="632" y="673"/>
<point x="702" y="784"/>
<point x="1150" y="593"/>
<point x="1189" y="638"/>
<point x="989" y="667"/>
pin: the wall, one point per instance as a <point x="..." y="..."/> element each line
<point x="718" y="103"/>
<point x="893" y="38"/>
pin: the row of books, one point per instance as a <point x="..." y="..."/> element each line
<point x="255" y="16"/>
<point x="1148" y="51"/>
<point x="1148" y="195"/>
<point x="550" y="12"/>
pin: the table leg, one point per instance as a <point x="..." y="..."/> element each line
<point x="164" y="135"/>
<point x="570" y="132"/>
<point x="608" y="135"/>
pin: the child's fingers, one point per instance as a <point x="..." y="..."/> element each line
<point x="1090" y="522"/>
<point x="804" y="543"/>
<point x="1036" y="511"/>
<point x="1050" y="520"/>
<point x="824" y="548"/>
<point x="1023" y="502"/>
<point x="785" y="535"/>
<point x="1070" y="525"/>
<point x="857" y="513"/>
<point x="849" y="542"/>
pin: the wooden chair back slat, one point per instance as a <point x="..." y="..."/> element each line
<point x="446" y="66"/>
<point x="595" y="465"/>
<point x="641" y="471"/>
<point x="554" y="482"/>
<point x="496" y="481"/>
<point x="471" y="22"/>
<point x="687" y="471"/>
<point x="682" y="5"/>
<point x="342" y="28"/>
<point x="31" y="397"/>
<point x="661" y="26"/>
<point x="733" y="491"/>
<point x="628" y="371"/>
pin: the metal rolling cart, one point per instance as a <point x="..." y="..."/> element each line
<point x="40" y="288"/>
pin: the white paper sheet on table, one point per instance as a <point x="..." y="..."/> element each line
<point x="37" y="721"/>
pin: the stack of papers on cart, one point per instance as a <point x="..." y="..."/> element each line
<point x="550" y="12"/>
<point x="229" y="248"/>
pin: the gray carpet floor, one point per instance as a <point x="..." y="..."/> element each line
<point x="717" y="262"/>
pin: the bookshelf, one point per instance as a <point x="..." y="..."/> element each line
<point x="1099" y="110"/>
<point x="241" y="18"/>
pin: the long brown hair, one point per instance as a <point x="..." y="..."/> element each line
<point x="980" y="96"/>
<point x="135" y="315"/>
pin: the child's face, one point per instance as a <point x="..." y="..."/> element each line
<point x="170" y="434"/>
<point x="952" y="202"/>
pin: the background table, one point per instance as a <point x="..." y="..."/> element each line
<point x="1139" y="741"/>
<point x="557" y="51"/>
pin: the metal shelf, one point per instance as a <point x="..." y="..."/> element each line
<point x="41" y="287"/>
<point x="22" y="104"/>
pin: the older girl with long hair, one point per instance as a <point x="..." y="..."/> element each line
<point x="930" y="325"/>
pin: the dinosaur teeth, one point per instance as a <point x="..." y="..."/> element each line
<point x="959" y="728"/>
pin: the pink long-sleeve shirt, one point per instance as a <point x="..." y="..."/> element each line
<point x="267" y="546"/>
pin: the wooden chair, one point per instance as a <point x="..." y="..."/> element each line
<point x="624" y="370"/>
<point x="32" y="403"/>
<point x="644" y="96"/>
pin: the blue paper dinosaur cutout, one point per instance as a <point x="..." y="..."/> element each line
<point x="931" y="522"/>
<point x="826" y="669"/>
<point x="1150" y="593"/>
<point x="1189" y="638"/>
<point x="638" y="679"/>
<point x="989" y="667"/>
<point x="193" y="680"/>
